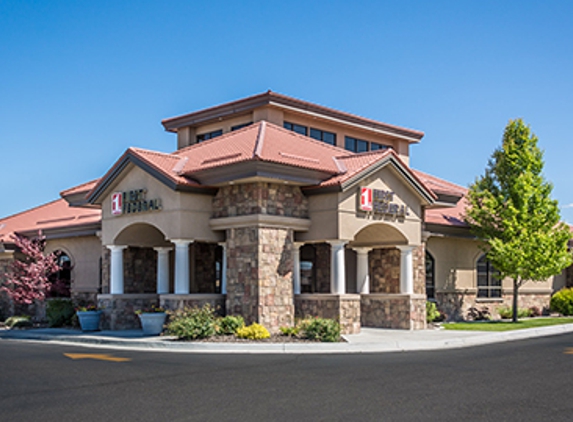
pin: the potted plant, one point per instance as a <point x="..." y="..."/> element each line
<point x="89" y="317"/>
<point x="152" y="319"/>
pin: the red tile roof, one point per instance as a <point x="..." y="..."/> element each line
<point x="261" y="141"/>
<point x="83" y="188"/>
<point x="445" y="216"/>
<point x="55" y="214"/>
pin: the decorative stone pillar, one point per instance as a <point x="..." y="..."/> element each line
<point x="296" y="270"/>
<point x="224" y="269"/>
<point x="162" y="269"/>
<point x="116" y="264"/>
<point x="337" y="271"/>
<point x="406" y="269"/>
<point x="182" y="266"/>
<point x="362" y="273"/>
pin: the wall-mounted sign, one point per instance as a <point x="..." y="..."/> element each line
<point x="133" y="201"/>
<point x="380" y="202"/>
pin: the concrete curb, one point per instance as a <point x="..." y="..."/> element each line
<point x="374" y="341"/>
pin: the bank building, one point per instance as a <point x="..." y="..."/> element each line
<point x="272" y="208"/>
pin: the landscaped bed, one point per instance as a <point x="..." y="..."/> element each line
<point x="507" y="325"/>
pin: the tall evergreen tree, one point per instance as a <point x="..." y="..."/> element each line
<point x="511" y="211"/>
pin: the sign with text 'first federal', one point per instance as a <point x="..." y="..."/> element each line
<point x="379" y="201"/>
<point x="133" y="201"/>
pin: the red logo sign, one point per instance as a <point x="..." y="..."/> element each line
<point x="117" y="203"/>
<point x="366" y="199"/>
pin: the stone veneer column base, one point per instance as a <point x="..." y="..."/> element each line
<point x="343" y="308"/>
<point x="172" y="301"/>
<point x="402" y="311"/>
<point x="456" y="305"/>
<point x="118" y="311"/>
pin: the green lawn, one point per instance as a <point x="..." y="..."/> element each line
<point x="506" y="326"/>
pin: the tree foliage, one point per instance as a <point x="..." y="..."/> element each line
<point x="510" y="209"/>
<point x="27" y="279"/>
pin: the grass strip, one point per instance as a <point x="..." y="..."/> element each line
<point x="506" y="326"/>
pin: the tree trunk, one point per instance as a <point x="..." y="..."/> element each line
<point x="515" y="293"/>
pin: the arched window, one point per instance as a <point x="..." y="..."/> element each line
<point x="430" y="276"/>
<point x="488" y="280"/>
<point x="62" y="279"/>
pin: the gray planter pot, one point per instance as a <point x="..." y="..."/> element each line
<point x="152" y="323"/>
<point x="89" y="320"/>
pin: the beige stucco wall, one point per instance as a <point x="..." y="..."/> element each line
<point x="85" y="253"/>
<point x="336" y="215"/>
<point x="183" y="215"/>
<point x="455" y="261"/>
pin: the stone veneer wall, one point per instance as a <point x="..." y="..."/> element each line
<point x="204" y="274"/>
<point x="407" y="312"/>
<point x="260" y="198"/>
<point x="105" y="269"/>
<point x="259" y="275"/>
<point x="419" y="264"/>
<point x="342" y="308"/>
<point x="118" y="311"/>
<point x="173" y="302"/>
<point x="456" y="305"/>
<point x="322" y="273"/>
<point x="384" y="270"/>
<point x="139" y="270"/>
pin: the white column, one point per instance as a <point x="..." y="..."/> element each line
<point x="181" y="266"/>
<point x="362" y="270"/>
<point x="406" y="269"/>
<point x="116" y="270"/>
<point x="296" y="270"/>
<point x="224" y="269"/>
<point x="162" y="269"/>
<point x="337" y="271"/>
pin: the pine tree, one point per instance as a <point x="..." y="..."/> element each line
<point x="511" y="211"/>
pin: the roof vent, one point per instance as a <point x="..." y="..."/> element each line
<point x="178" y="168"/>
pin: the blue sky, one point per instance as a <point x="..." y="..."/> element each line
<point x="80" y="82"/>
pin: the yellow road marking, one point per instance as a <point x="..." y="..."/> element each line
<point x="569" y="351"/>
<point x="96" y="357"/>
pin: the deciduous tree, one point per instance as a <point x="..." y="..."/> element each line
<point x="511" y="211"/>
<point x="27" y="279"/>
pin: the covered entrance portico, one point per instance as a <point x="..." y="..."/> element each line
<point x="375" y="280"/>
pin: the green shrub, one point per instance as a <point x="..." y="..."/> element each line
<point x="506" y="312"/>
<point x="229" y="325"/>
<point x="253" y="332"/>
<point x="562" y="302"/>
<point x="192" y="323"/>
<point x="18" y="321"/>
<point x="323" y="329"/>
<point x="290" y="331"/>
<point x="432" y="313"/>
<point x="60" y="312"/>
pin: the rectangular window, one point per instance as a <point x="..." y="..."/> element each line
<point x="355" y="145"/>
<point x="209" y="135"/>
<point x="323" y="135"/>
<point x="242" y="125"/>
<point x="303" y="130"/>
<point x="360" y="145"/>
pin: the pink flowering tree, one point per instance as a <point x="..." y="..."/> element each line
<point x="28" y="278"/>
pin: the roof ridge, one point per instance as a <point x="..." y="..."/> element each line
<point x="439" y="179"/>
<point x="260" y="140"/>
<point x="62" y="193"/>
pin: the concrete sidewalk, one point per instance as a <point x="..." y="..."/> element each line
<point x="370" y="340"/>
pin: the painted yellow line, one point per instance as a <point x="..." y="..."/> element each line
<point x="569" y="351"/>
<point x="95" y="356"/>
